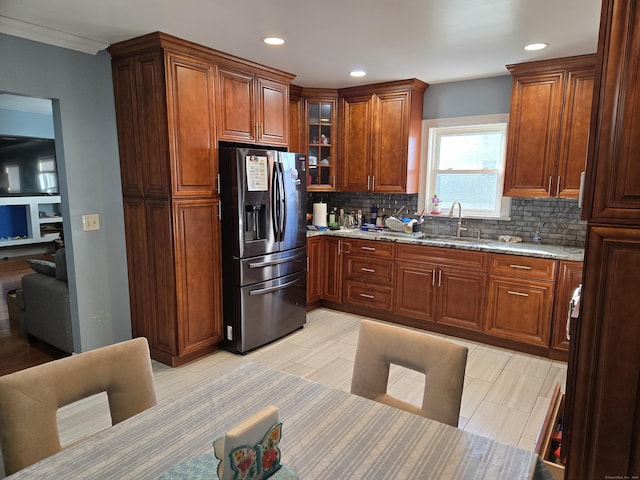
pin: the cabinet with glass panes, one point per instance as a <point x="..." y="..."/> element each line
<point x="321" y="141"/>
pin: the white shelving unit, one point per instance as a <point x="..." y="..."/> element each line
<point x="40" y="211"/>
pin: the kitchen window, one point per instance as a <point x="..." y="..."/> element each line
<point x="464" y="161"/>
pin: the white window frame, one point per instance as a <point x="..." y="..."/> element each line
<point x="427" y="179"/>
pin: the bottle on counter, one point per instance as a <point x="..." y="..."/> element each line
<point x="374" y="215"/>
<point x="332" y="218"/>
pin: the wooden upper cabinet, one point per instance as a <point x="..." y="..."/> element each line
<point x="165" y="118"/>
<point x="251" y="108"/>
<point x="191" y="126"/>
<point x="320" y="138"/>
<point x="140" y="101"/>
<point x="296" y="119"/>
<point x="355" y="143"/>
<point x="549" y="127"/>
<point x="380" y="140"/>
<point x="613" y="193"/>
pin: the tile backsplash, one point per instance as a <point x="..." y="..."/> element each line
<point x="556" y="220"/>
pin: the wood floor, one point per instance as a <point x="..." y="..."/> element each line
<point x="506" y="393"/>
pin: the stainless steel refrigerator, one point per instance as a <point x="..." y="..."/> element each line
<point x="263" y="245"/>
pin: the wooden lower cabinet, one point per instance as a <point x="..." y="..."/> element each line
<point x="506" y="300"/>
<point x="520" y="310"/>
<point x="332" y="262"/>
<point x="198" y="263"/>
<point x="368" y="274"/>
<point x="432" y="287"/>
<point x="569" y="278"/>
<point x="415" y="291"/>
<point x="175" y="282"/>
<point x="461" y="298"/>
<point x="315" y="270"/>
<point x="520" y="302"/>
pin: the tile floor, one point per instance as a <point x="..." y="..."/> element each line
<point x="506" y="393"/>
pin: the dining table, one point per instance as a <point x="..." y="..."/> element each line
<point x="327" y="433"/>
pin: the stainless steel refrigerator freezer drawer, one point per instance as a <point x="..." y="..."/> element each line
<point x="266" y="267"/>
<point x="270" y="310"/>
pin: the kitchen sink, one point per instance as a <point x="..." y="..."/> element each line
<point x="403" y="234"/>
<point x="452" y="239"/>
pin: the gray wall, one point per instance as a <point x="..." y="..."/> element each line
<point x="485" y="96"/>
<point x="26" y="124"/>
<point x="81" y="88"/>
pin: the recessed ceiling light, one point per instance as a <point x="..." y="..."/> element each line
<point x="358" y="73"/>
<point x="536" y="46"/>
<point x="273" y="40"/>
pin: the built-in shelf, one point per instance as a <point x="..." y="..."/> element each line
<point x="39" y="218"/>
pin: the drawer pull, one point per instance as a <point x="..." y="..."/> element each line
<point x="370" y="270"/>
<point x="366" y="295"/>
<point x="522" y="267"/>
<point x="520" y="294"/>
<point x="370" y="249"/>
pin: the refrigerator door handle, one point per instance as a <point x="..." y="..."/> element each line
<point x="283" y="204"/>
<point x="262" y="291"/>
<point x="276" y="262"/>
<point x="275" y="203"/>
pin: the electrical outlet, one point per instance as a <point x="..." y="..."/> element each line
<point x="91" y="222"/>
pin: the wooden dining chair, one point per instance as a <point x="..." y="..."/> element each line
<point x="442" y="363"/>
<point x="29" y="399"/>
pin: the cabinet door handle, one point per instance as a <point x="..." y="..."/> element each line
<point x="369" y="249"/>
<point x="558" y="187"/>
<point x="219" y="210"/>
<point x="368" y="183"/>
<point x="339" y="247"/>
<point x="373" y="183"/>
<point x="369" y="270"/>
<point x="218" y="184"/>
<point x="549" y="189"/>
<point x="439" y="278"/>
<point x="334" y="182"/>
<point x="522" y="267"/>
<point x="366" y="295"/>
<point x="433" y="277"/>
<point x="520" y="294"/>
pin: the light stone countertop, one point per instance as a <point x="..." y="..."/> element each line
<point x="556" y="252"/>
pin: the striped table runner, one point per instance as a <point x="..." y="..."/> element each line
<point x="327" y="434"/>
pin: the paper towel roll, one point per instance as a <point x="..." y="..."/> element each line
<point x="320" y="214"/>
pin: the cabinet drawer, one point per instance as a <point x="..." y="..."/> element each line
<point x="527" y="267"/>
<point x="368" y="270"/>
<point x="451" y="257"/>
<point x="366" y="295"/>
<point x="548" y="441"/>
<point x="370" y="248"/>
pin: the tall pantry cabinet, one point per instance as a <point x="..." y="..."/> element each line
<point x="603" y="381"/>
<point x="164" y="94"/>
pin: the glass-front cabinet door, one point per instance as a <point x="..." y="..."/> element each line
<point x="322" y="141"/>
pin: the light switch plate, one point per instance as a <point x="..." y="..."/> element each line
<point x="91" y="222"/>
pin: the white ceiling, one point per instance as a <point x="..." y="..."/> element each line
<point x="434" y="40"/>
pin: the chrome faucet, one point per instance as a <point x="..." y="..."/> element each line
<point x="459" y="227"/>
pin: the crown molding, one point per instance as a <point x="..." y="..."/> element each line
<point x="40" y="34"/>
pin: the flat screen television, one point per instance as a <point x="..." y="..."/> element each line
<point x="28" y="166"/>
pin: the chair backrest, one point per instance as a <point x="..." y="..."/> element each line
<point x="443" y="364"/>
<point x="29" y="399"/>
